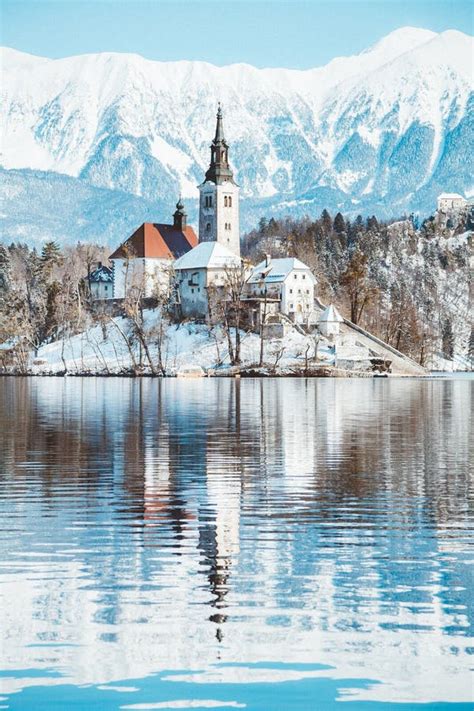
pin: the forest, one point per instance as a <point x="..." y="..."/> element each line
<point x="407" y="283"/>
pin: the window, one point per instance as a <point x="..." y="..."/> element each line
<point x="304" y="276"/>
<point x="208" y="201"/>
<point x="291" y="307"/>
<point x="291" y="291"/>
<point x="230" y="201"/>
<point x="208" y="227"/>
<point x="225" y="200"/>
<point x="295" y="276"/>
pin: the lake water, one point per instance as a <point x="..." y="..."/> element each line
<point x="270" y="545"/>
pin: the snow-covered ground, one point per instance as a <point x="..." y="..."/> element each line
<point x="183" y="346"/>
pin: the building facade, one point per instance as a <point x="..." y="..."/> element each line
<point x="144" y="261"/>
<point x="101" y="282"/>
<point x="450" y="201"/>
<point x="201" y="271"/>
<point x="287" y="281"/>
<point x="219" y="197"/>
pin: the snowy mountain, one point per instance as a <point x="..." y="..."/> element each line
<point x="383" y="131"/>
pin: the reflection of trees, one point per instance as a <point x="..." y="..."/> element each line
<point x="172" y="467"/>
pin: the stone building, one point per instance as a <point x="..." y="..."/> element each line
<point x="448" y="202"/>
<point x="145" y="259"/>
<point x="219" y="196"/>
<point x="204" y="267"/>
<point x="286" y="282"/>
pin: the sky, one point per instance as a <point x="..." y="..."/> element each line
<point x="268" y="33"/>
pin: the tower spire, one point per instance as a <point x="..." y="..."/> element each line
<point x="219" y="170"/>
<point x="219" y="137"/>
<point x="179" y="217"/>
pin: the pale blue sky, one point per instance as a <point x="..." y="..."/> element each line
<point x="289" y="33"/>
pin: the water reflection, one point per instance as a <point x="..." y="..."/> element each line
<point x="215" y="525"/>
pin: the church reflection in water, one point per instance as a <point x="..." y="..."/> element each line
<point x="196" y="519"/>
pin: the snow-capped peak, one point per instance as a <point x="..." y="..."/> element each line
<point x="389" y="126"/>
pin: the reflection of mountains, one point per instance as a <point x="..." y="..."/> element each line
<point x="286" y="503"/>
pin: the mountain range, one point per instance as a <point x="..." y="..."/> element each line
<point x="92" y="145"/>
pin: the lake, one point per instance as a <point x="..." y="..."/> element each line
<point x="270" y="545"/>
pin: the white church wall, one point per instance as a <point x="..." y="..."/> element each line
<point x="143" y="273"/>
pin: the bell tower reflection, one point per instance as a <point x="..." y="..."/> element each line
<point x="219" y="534"/>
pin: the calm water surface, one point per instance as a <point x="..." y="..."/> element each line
<point x="270" y="545"/>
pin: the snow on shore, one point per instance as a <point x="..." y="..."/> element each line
<point x="105" y="351"/>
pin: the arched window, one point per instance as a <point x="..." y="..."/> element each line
<point x="208" y="227"/>
<point x="228" y="227"/>
<point x="225" y="200"/>
<point x="230" y="201"/>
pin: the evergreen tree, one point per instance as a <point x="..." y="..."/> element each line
<point x="326" y="222"/>
<point x="262" y="226"/>
<point x="50" y="257"/>
<point x="372" y="224"/>
<point x="4" y="269"/>
<point x="447" y="339"/>
<point x="339" y="224"/>
<point x="471" y="347"/>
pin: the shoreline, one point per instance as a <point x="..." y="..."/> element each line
<point x="247" y="373"/>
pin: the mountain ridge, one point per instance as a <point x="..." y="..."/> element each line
<point x="383" y="130"/>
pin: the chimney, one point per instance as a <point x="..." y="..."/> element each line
<point x="268" y="259"/>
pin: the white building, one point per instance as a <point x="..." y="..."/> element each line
<point x="288" y="280"/>
<point x="205" y="266"/>
<point x="144" y="260"/>
<point x="219" y="197"/>
<point x="330" y="322"/>
<point x="450" y="201"/>
<point x="101" y="282"/>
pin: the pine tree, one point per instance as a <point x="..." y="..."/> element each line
<point x="372" y="224"/>
<point x="471" y="347"/>
<point x="327" y="222"/>
<point x="339" y="224"/>
<point x="448" y="339"/>
<point x="50" y="257"/>
<point x="4" y="269"/>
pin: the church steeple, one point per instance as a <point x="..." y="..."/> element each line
<point x="179" y="217"/>
<point x="219" y="196"/>
<point x="219" y="170"/>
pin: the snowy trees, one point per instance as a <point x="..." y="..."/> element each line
<point x="401" y="282"/>
<point x="354" y="279"/>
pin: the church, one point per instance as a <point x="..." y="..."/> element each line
<point x="145" y="259"/>
<point x="219" y="196"/>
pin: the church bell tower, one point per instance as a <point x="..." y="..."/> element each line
<point x="219" y="196"/>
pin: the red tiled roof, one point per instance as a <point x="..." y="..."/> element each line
<point x="157" y="241"/>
